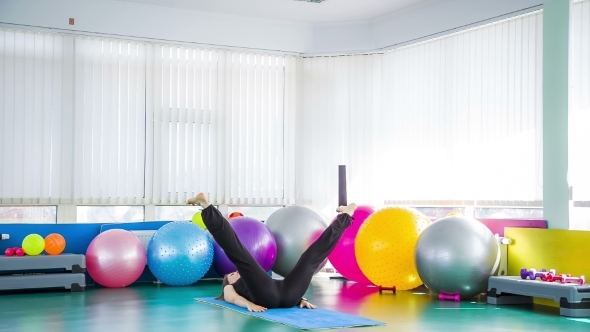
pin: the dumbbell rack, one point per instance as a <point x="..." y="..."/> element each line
<point x="64" y="271"/>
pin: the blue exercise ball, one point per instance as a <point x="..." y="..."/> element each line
<point x="180" y="253"/>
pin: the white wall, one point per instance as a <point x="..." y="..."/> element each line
<point x="342" y="37"/>
<point x="144" y="21"/>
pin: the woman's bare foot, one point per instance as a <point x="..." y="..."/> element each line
<point x="200" y="200"/>
<point x="349" y="209"/>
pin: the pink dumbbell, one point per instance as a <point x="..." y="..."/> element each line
<point x="552" y="278"/>
<point x="571" y="280"/>
<point x="455" y="297"/>
<point x="19" y="252"/>
<point x="9" y="252"/>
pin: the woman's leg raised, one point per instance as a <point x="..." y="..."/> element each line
<point x="254" y="276"/>
<point x="297" y="281"/>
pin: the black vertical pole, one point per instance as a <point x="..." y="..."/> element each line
<point x="342" y="185"/>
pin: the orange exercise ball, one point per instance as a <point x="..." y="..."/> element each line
<point x="54" y="244"/>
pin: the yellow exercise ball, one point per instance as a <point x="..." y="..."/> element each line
<point x="198" y="219"/>
<point x="33" y="244"/>
<point x="385" y="247"/>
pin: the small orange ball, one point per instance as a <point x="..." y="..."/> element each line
<point x="235" y="215"/>
<point x="54" y="244"/>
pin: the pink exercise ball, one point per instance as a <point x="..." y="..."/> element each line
<point x="343" y="257"/>
<point x="115" y="258"/>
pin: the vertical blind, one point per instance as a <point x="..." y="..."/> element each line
<point x="454" y="118"/>
<point x="579" y="111"/>
<point x="110" y="121"/>
<point x="219" y="125"/>
<point x="458" y="117"/>
<point x="31" y="116"/>
<point x="103" y="121"/>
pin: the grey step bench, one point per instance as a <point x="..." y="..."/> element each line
<point x="66" y="262"/>
<point x="573" y="299"/>
<point x="65" y="271"/>
<point x="76" y="282"/>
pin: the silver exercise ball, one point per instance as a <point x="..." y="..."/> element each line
<point x="295" y="228"/>
<point x="457" y="255"/>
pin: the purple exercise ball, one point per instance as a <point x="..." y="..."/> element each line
<point x="115" y="258"/>
<point x="256" y="238"/>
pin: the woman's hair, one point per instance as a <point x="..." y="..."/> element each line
<point x="223" y="284"/>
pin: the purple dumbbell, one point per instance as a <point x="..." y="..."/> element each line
<point x="455" y="297"/>
<point x="533" y="274"/>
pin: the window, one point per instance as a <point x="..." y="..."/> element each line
<point x="579" y="116"/>
<point x="453" y="118"/>
<point x="257" y="212"/>
<point x="32" y="138"/>
<point x="110" y="121"/>
<point x="176" y="212"/>
<point x="219" y="125"/>
<point x="109" y="214"/>
<point x="28" y="214"/>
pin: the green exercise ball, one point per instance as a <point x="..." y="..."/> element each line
<point x="33" y="244"/>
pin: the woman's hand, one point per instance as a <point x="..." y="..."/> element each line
<point x="306" y="304"/>
<point x="255" y="308"/>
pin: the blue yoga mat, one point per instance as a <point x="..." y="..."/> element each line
<point x="305" y="319"/>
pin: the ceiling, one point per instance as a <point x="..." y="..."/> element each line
<point x="329" y="11"/>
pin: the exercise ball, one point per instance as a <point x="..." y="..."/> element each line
<point x="54" y="244"/>
<point x="115" y="258"/>
<point x="235" y="215"/>
<point x="385" y="247"/>
<point x="457" y="255"/>
<point x="256" y="238"/>
<point x="33" y="244"/>
<point x="198" y="220"/>
<point x="180" y="253"/>
<point x="295" y="228"/>
<point x="343" y="257"/>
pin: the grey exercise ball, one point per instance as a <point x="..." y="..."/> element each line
<point x="295" y="228"/>
<point x="457" y="255"/>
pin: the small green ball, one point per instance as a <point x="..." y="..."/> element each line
<point x="33" y="244"/>
<point x="198" y="220"/>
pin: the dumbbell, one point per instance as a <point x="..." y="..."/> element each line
<point x="554" y="277"/>
<point x="455" y="297"/>
<point x="19" y="252"/>
<point x="570" y="280"/>
<point x="533" y="274"/>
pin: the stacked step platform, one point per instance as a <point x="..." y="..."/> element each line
<point x="573" y="299"/>
<point x="65" y="271"/>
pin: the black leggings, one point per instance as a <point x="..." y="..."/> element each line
<point x="263" y="289"/>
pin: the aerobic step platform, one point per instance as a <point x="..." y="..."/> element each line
<point x="43" y="271"/>
<point x="573" y="299"/>
<point x="65" y="262"/>
<point x="76" y="282"/>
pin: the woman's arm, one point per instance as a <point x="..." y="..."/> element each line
<point x="231" y="296"/>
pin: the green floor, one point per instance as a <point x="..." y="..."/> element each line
<point x="149" y="307"/>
